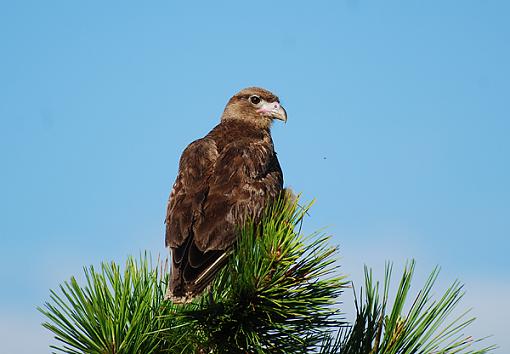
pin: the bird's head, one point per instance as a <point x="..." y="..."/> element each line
<point x="255" y="105"/>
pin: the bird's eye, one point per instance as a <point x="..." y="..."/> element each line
<point x="255" y="99"/>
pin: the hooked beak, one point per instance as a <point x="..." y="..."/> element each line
<point x="274" y="110"/>
<point x="281" y="114"/>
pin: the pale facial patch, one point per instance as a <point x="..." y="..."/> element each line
<point x="272" y="109"/>
<point x="269" y="107"/>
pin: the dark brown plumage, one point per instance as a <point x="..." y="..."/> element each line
<point x="224" y="178"/>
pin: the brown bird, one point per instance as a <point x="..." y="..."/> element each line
<point x="224" y="179"/>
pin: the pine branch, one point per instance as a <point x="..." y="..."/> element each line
<point x="278" y="293"/>
<point x="426" y="328"/>
<point x="112" y="313"/>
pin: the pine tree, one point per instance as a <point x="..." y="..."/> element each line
<point x="279" y="293"/>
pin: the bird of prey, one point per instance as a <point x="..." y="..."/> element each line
<point x="224" y="178"/>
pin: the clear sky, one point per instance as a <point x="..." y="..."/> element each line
<point x="398" y="125"/>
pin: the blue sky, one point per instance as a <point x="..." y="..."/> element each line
<point x="398" y="126"/>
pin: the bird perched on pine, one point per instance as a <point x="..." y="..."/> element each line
<point x="224" y="179"/>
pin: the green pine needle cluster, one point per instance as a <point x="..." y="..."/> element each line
<point x="114" y="312"/>
<point x="426" y="327"/>
<point x="278" y="293"/>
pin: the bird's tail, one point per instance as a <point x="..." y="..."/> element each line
<point x="189" y="279"/>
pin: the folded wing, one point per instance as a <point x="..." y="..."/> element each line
<point x="214" y="193"/>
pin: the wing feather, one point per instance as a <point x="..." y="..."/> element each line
<point x="216" y="190"/>
<point x="190" y="190"/>
<point x="245" y="176"/>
